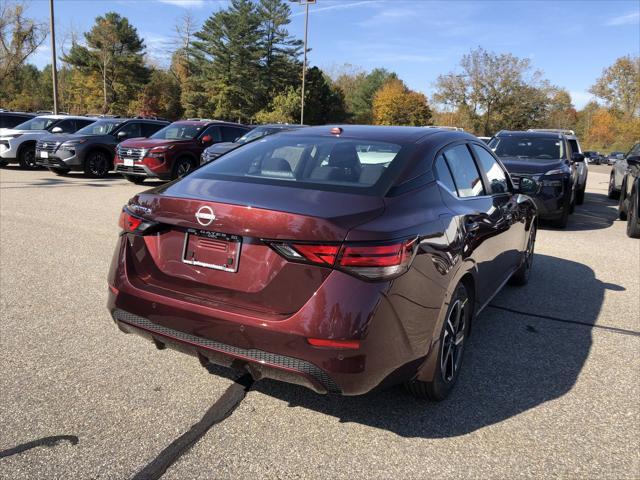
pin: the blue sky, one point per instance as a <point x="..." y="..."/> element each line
<point x="570" y="41"/>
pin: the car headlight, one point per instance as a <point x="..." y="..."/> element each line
<point x="557" y="171"/>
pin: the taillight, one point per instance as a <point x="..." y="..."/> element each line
<point x="128" y="222"/>
<point x="371" y="261"/>
<point x="328" y="343"/>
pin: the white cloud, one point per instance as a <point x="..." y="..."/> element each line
<point x="580" y="98"/>
<point x="632" y="18"/>
<point x="184" y="3"/>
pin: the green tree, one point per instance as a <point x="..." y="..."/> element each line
<point x="359" y="89"/>
<point x="395" y="104"/>
<point x="160" y="97"/>
<point x="284" y="108"/>
<point x="324" y="103"/>
<point x="619" y="85"/>
<point x="115" y="51"/>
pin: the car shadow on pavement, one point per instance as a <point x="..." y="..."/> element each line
<point x="513" y="363"/>
<point x="598" y="211"/>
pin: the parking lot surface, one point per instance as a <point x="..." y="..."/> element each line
<point x="549" y="386"/>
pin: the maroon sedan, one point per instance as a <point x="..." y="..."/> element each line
<point x="338" y="258"/>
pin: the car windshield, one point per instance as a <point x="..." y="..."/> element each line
<point x="101" y="127"/>
<point x="37" y="123"/>
<point x="322" y="163"/>
<point x="533" y="148"/>
<point x="256" y="133"/>
<point x="179" y="131"/>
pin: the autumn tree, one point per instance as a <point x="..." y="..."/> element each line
<point x="159" y="98"/>
<point x="19" y="37"/>
<point x="359" y="89"/>
<point x="395" y="104"/>
<point x="619" y="85"/>
<point x="283" y="108"/>
<point x="115" y="51"/>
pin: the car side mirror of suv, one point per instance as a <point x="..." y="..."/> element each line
<point x="633" y="160"/>
<point x="121" y="135"/>
<point x="577" y="157"/>
<point x="206" y="139"/>
<point x="56" y="130"/>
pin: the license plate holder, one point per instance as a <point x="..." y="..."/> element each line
<point x="44" y="154"/>
<point x="128" y="162"/>
<point x="218" y="251"/>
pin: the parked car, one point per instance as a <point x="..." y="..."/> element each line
<point x="214" y="151"/>
<point x="629" y="204"/>
<point x="19" y="144"/>
<point x="173" y="151"/>
<point x="338" y="258"/>
<point x="549" y="159"/>
<point x="9" y="119"/>
<point x="593" y="157"/>
<point x="92" y="148"/>
<point x="613" y="157"/>
<point x="618" y="172"/>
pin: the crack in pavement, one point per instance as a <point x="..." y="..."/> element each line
<point x="621" y="331"/>
<point x="219" y="411"/>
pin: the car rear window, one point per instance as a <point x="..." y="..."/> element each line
<point x="324" y="163"/>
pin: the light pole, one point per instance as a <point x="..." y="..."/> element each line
<point x="54" y="70"/>
<point x="306" y="4"/>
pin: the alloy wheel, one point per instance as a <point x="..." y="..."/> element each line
<point x="98" y="165"/>
<point x="184" y="167"/>
<point x="30" y="159"/>
<point x="453" y="340"/>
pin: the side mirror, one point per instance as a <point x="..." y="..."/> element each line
<point x="56" y="130"/>
<point x="121" y="135"/>
<point x="206" y="139"/>
<point x="633" y="160"/>
<point x="577" y="157"/>
<point x="527" y="186"/>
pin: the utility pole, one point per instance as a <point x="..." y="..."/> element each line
<point x="54" y="69"/>
<point x="304" y="61"/>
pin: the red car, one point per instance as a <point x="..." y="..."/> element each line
<point x="338" y="258"/>
<point x="173" y="151"/>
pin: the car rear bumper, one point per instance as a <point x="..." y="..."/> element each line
<point x="391" y="346"/>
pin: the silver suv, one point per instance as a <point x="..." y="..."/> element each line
<point x="18" y="144"/>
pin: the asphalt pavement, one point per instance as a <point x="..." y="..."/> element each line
<point x="549" y="387"/>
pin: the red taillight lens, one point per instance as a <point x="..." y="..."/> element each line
<point x="325" y="342"/>
<point x="375" y="262"/>
<point x="322" y="254"/>
<point x="128" y="222"/>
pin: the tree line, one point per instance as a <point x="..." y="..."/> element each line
<point x="242" y="64"/>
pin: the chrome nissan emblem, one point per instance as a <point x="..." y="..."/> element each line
<point x="129" y="152"/>
<point x="44" y="145"/>
<point x="205" y="216"/>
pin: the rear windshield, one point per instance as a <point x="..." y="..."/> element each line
<point x="179" y="131"/>
<point x="528" y="148"/>
<point x="102" y="127"/>
<point x="37" y="123"/>
<point x="318" y="163"/>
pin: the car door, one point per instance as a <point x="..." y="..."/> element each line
<point x="481" y="217"/>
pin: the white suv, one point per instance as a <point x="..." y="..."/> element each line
<point x="18" y="144"/>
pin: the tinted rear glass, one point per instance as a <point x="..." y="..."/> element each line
<point x="322" y="163"/>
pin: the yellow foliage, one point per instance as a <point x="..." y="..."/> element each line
<point x="395" y="104"/>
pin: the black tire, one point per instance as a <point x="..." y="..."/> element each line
<point x="134" y="179"/>
<point x="3" y="163"/>
<point x="59" y="171"/>
<point x="450" y="350"/>
<point x="27" y="157"/>
<point x="633" y="225"/>
<point x="182" y="167"/>
<point x="521" y="276"/>
<point x="622" y="212"/>
<point x="611" y="191"/>
<point x="580" y="197"/>
<point x="564" y="219"/>
<point x="97" y="164"/>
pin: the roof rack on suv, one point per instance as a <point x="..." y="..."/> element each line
<point x="563" y="131"/>
<point x="445" y="127"/>
<point x="204" y="120"/>
<point x="150" y="117"/>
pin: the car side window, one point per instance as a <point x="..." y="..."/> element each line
<point x="149" y="129"/>
<point x="635" y="150"/>
<point x="83" y="123"/>
<point x="214" y="132"/>
<point x="229" y="134"/>
<point x="67" y="126"/>
<point x="464" y="171"/>
<point x="444" y="175"/>
<point x="573" y="146"/>
<point x="131" y="130"/>
<point x="494" y="172"/>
